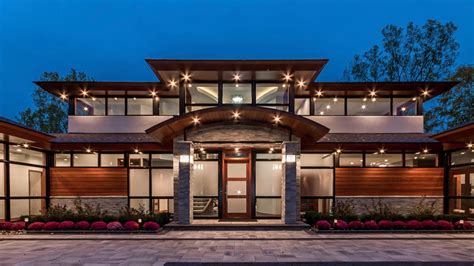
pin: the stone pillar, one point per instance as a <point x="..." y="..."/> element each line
<point x="290" y="186"/>
<point x="182" y="167"/>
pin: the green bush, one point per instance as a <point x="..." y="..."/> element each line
<point x="312" y="217"/>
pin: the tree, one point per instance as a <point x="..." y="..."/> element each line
<point x="455" y="107"/>
<point x="49" y="113"/>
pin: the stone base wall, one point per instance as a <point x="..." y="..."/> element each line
<point x="403" y="205"/>
<point x="110" y="204"/>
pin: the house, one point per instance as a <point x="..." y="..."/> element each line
<point x="237" y="139"/>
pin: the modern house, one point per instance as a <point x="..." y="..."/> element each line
<point x="237" y="139"/>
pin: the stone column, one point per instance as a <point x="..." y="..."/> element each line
<point x="182" y="167"/>
<point x="290" y="186"/>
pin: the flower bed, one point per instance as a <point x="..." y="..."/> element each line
<point x="80" y="226"/>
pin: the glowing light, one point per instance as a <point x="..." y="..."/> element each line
<point x="425" y="93"/>
<point x="93" y="99"/>
<point x="338" y="150"/>
<point x="469" y="145"/>
<point x="365" y="99"/>
<point x="372" y="93"/>
<point x="63" y="96"/>
<point x="134" y="98"/>
<point x="425" y="150"/>
<point x="173" y="83"/>
<point x="301" y="83"/>
<point x="404" y="109"/>
<point x="335" y="99"/>
<point x="186" y="76"/>
<point x="237" y="99"/>
<point x="201" y="149"/>
<point x="236" y="149"/>
<point x="321" y="113"/>
<point x="277" y="119"/>
<point x="287" y="77"/>
<point x="236" y="115"/>
<point x="413" y="99"/>
<point x="284" y="85"/>
<point x="115" y="98"/>
<point x="84" y="93"/>
<point x="190" y="85"/>
<point x="236" y="76"/>
<point x="157" y="98"/>
<point x="195" y="120"/>
<point x="382" y="150"/>
<point x="319" y="93"/>
<point x="86" y="108"/>
<point x="373" y="99"/>
<point x="26" y="145"/>
<point x="328" y="106"/>
<point x="363" y="106"/>
<point x="88" y="150"/>
<point x="153" y="93"/>
<point x="136" y="150"/>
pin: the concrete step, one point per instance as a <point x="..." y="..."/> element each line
<point x="241" y="226"/>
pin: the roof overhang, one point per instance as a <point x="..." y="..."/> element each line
<point x="213" y="70"/>
<point x="458" y="137"/>
<point x="307" y="130"/>
<point x="14" y="132"/>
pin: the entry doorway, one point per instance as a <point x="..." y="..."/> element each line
<point x="237" y="185"/>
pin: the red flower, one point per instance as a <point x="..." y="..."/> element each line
<point x="465" y="225"/>
<point x="36" y="226"/>
<point x="51" y="226"/>
<point x="114" y="226"/>
<point x="323" y="225"/>
<point x="399" y="225"/>
<point x="99" y="225"/>
<point x="131" y="225"/>
<point x="18" y="226"/>
<point x="444" y="225"/>
<point x="414" y="225"/>
<point x="66" y="225"/>
<point x="82" y="225"/>
<point x="151" y="226"/>
<point x="385" y="224"/>
<point x="341" y="225"/>
<point x="371" y="225"/>
<point x="6" y="226"/>
<point x="356" y="225"/>
<point x="429" y="225"/>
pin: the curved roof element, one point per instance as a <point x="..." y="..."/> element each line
<point x="307" y="130"/>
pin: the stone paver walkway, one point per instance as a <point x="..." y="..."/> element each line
<point x="208" y="246"/>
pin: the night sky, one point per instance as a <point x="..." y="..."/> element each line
<point x="109" y="40"/>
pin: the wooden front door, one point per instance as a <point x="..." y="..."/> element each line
<point x="237" y="190"/>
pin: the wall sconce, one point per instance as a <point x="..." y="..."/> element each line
<point x="288" y="158"/>
<point x="184" y="158"/>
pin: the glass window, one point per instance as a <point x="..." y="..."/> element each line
<point x="26" y="181"/>
<point x="462" y="206"/>
<point x="85" y="159"/>
<point x="268" y="178"/>
<point x="162" y="182"/>
<point x="2" y="151"/>
<point x="2" y="180"/>
<point x="328" y="106"/>
<point x="351" y="160"/>
<point x="140" y="204"/>
<point x="237" y="93"/>
<point x="462" y="157"/>
<point x="316" y="205"/>
<point x="268" y="207"/>
<point x="316" y="182"/>
<point x="112" y="160"/>
<point x="169" y="106"/>
<point x="162" y="160"/>
<point x="317" y="159"/>
<point x="90" y="106"/>
<point x="404" y="106"/>
<point x="383" y="160"/>
<point x="202" y="93"/>
<point x="281" y="108"/>
<point x="271" y="93"/>
<point x="140" y="106"/>
<point x="196" y="108"/>
<point x="206" y="178"/>
<point x="421" y="160"/>
<point x="269" y="156"/>
<point x="116" y="106"/>
<point x="461" y="184"/>
<point x="302" y="106"/>
<point x="139" y="182"/>
<point x="62" y="159"/>
<point x="26" y="207"/>
<point x="2" y="210"/>
<point x="368" y="106"/>
<point x="23" y="155"/>
<point x="138" y="160"/>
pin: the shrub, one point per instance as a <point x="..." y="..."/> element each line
<point x="18" y="226"/>
<point x="151" y="226"/>
<point x="423" y="210"/>
<point x="414" y="225"/>
<point x="131" y="225"/>
<point x="343" y="209"/>
<point x="444" y="225"/>
<point x="114" y="226"/>
<point x="36" y="226"/>
<point x="356" y="225"/>
<point x="465" y="225"/>
<point x="379" y="210"/>
<point x="371" y="225"/>
<point x="429" y="225"/>
<point x="451" y="217"/>
<point x="99" y="225"/>
<point x="312" y="217"/>
<point x="66" y="225"/>
<point x="82" y="225"/>
<point x="399" y="225"/>
<point x="323" y="225"/>
<point x="385" y="224"/>
<point x="6" y="226"/>
<point x="51" y="226"/>
<point x="341" y="225"/>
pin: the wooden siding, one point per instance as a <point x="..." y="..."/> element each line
<point x="88" y="181"/>
<point x="389" y="181"/>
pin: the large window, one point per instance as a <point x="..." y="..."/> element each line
<point x="404" y="106"/>
<point x="368" y="106"/>
<point x="205" y="177"/>
<point x="169" y="106"/>
<point x="85" y="160"/>
<point x="328" y="106"/>
<point x="302" y="106"/>
<point x="462" y="157"/>
<point x="271" y="94"/>
<point x="317" y="159"/>
<point x="90" y="106"/>
<point x="268" y="175"/>
<point x="351" y="160"/>
<point x="237" y="93"/>
<point x="421" y="160"/>
<point x="112" y="160"/>
<point x="140" y="106"/>
<point x="116" y="106"/>
<point x="23" y="155"/>
<point x="201" y="93"/>
<point x="62" y="160"/>
<point x="316" y="182"/>
<point x="383" y="160"/>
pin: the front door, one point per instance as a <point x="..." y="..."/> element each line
<point x="236" y="186"/>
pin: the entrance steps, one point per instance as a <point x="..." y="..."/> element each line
<point x="255" y="225"/>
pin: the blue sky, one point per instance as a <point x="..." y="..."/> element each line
<point x="110" y="39"/>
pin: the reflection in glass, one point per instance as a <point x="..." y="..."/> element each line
<point x="268" y="176"/>
<point x="138" y="160"/>
<point x="316" y="205"/>
<point x="421" y="159"/>
<point x="62" y="160"/>
<point x="316" y="182"/>
<point x="140" y="204"/>
<point x="162" y="182"/>
<point x="237" y="95"/>
<point x="404" y="106"/>
<point x="90" y="106"/>
<point x="317" y="159"/>
<point x="112" y="160"/>
<point x="23" y="155"/>
<point x="462" y="157"/>
<point x="140" y="106"/>
<point x="169" y="106"/>
<point x="205" y="178"/>
<point x="383" y="160"/>
<point x="86" y="159"/>
<point x="328" y="106"/>
<point x="271" y="93"/>
<point x="202" y="93"/>
<point x="268" y="207"/>
<point x="162" y="160"/>
<point x="116" y="106"/>
<point x="351" y="160"/>
<point x="368" y="106"/>
<point x="302" y="106"/>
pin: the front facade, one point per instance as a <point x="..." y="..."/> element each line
<point x="237" y="139"/>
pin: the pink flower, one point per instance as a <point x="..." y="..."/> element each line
<point x="399" y="225"/>
<point x="82" y="225"/>
<point x="465" y="225"/>
<point x="18" y="226"/>
<point x="66" y="225"/>
<point x="131" y="225"/>
<point x="51" y="226"/>
<point x="371" y="225"/>
<point x="323" y="225"/>
<point x="114" y="226"/>
<point x="36" y="226"/>
<point x="99" y="225"/>
<point x="6" y="226"/>
<point x="356" y="225"/>
<point x="341" y="225"/>
<point x="428" y="225"/>
<point x="385" y="224"/>
<point x="444" y="225"/>
<point x="414" y="225"/>
<point x="151" y="226"/>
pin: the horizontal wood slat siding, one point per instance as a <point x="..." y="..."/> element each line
<point x="389" y="181"/>
<point x="88" y="182"/>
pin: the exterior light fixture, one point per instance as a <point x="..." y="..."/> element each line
<point x="88" y="150"/>
<point x="153" y="93"/>
<point x="338" y="150"/>
<point x="335" y="99"/>
<point x="236" y="115"/>
<point x="284" y="85"/>
<point x="26" y="219"/>
<point x="413" y="99"/>
<point x="157" y="98"/>
<point x="236" y="76"/>
<point x="382" y="151"/>
<point x="236" y="85"/>
<point x="287" y="77"/>
<point x="186" y="76"/>
<point x="134" y="98"/>
<point x="63" y="96"/>
<point x="173" y="83"/>
<point x="319" y="93"/>
<point x="93" y="99"/>
<point x="85" y="108"/>
<point x="115" y="98"/>
<point x="373" y="99"/>
<point x="469" y="145"/>
<point x="136" y="150"/>
<point x="277" y="119"/>
<point x="404" y="109"/>
<point x="190" y="85"/>
<point x="26" y="145"/>
<point x="365" y="99"/>
<point x="328" y="106"/>
<point x="237" y="99"/>
<point x="195" y="120"/>
<point x="301" y="83"/>
<point x="425" y="150"/>
<point x="236" y="149"/>
<point x="425" y="93"/>
<point x="84" y="93"/>
<point x="373" y="94"/>
<point x="363" y="106"/>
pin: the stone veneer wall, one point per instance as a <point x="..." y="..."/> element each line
<point x="403" y="204"/>
<point x="110" y="204"/>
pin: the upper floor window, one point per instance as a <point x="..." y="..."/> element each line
<point x="116" y="106"/>
<point x="404" y="106"/>
<point x="302" y="106"/>
<point x="421" y="159"/>
<point x="23" y="155"/>
<point x="238" y="93"/>
<point x="368" y="106"/>
<point x="168" y="106"/>
<point x="383" y="160"/>
<point x="202" y="93"/>
<point x="267" y="93"/>
<point x="328" y="106"/>
<point x="140" y="106"/>
<point x="462" y="157"/>
<point x="90" y="106"/>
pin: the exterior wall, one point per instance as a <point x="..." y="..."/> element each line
<point x="110" y="204"/>
<point x="402" y="204"/>
<point x="113" y="124"/>
<point x="237" y="132"/>
<point x="371" y="124"/>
